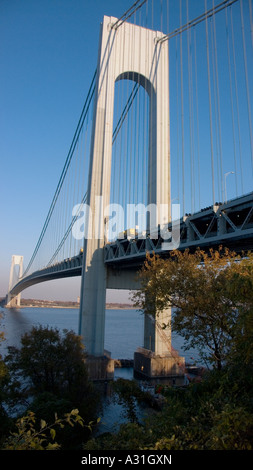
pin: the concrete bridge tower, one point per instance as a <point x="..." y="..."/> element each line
<point x="14" y="301"/>
<point x="134" y="53"/>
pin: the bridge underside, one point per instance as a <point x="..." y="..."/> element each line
<point x="116" y="278"/>
<point x="47" y="274"/>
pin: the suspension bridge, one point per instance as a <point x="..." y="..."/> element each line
<point x="162" y="158"/>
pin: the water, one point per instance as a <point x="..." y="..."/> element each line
<point x="123" y="329"/>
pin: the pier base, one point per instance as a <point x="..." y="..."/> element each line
<point x="100" y="368"/>
<point x="169" y="368"/>
<point x="13" y="302"/>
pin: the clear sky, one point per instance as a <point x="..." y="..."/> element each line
<point x="48" y="55"/>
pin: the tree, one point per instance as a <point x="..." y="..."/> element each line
<point x="210" y="292"/>
<point x="30" y="436"/>
<point x="5" y="421"/>
<point x="52" y="362"/>
<point x="213" y="301"/>
<point x="51" y="371"/>
<point x="240" y="288"/>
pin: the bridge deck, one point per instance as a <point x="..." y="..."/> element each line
<point x="229" y="225"/>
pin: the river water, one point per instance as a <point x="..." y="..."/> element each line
<point x="123" y="329"/>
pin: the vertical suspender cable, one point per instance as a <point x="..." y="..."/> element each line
<point x="161" y="185"/>
<point x="210" y="108"/>
<point x="145" y="136"/>
<point x="144" y="182"/>
<point x="116" y="156"/>
<point x="177" y="93"/>
<point x="151" y="156"/>
<point x="182" y="109"/>
<point x="79" y="157"/>
<point x="123" y="146"/>
<point x="116" y="149"/>
<point x="137" y="130"/>
<point x="231" y="100"/>
<point x="218" y="103"/>
<point x="215" y="99"/>
<point x="247" y="84"/>
<point x="237" y="100"/>
<point x="63" y="174"/>
<point x="197" y="114"/>
<point x="132" y="152"/>
<point x="122" y="159"/>
<point x="190" y="112"/>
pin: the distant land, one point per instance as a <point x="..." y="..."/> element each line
<point x="67" y="304"/>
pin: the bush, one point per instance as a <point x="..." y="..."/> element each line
<point x="50" y="369"/>
<point x="31" y="435"/>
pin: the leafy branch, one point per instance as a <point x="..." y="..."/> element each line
<point x="27" y="437"/>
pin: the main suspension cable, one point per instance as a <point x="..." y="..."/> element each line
<point x="199" y="19"/>
<point x="65" y="168"/>
<point x="128" y="13"/>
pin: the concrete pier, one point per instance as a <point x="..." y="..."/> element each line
<point x="155" y="368"/>
<point x="158" y="361"/>
<point x="100" y="368"/>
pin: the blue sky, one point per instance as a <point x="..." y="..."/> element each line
<point x="48" y="55"/>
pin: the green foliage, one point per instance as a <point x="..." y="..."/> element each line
<point x="211" y="294"/>
<point x="5" y="421"/>
<point x="49" y="361"/>
<point x="45" y="405"/>
<point x="49" y="370"/>
<point x="202" y="416"/>
<point x="30" y="436"/>
<point x="222" y="426"/>
<point x="53" y="362"/>
<point x="131" y="436"/>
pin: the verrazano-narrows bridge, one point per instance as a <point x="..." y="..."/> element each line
<point x="162" y="158"/>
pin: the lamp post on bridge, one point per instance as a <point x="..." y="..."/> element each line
<point x="226" y="174"/>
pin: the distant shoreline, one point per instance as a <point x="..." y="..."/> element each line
<point x="33" y="303"/>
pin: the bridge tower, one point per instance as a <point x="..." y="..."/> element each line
<point x="130" y="52"/>
<point x="14" y="300"/>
